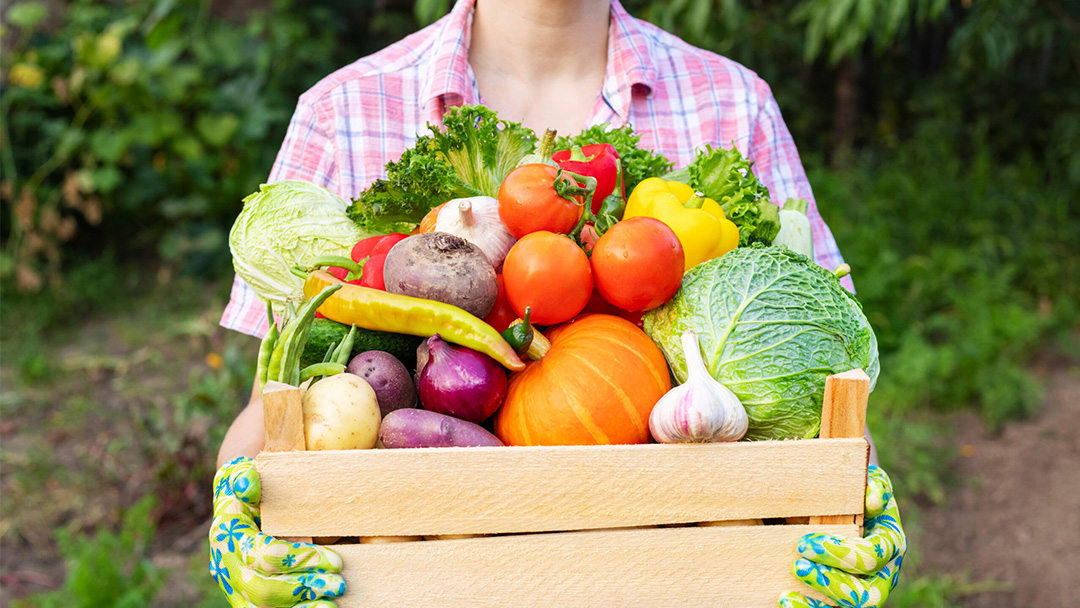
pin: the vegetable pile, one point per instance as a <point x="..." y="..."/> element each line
<point x="496" y="288"/>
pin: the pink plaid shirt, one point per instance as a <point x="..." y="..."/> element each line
<point x="677" y="97"/>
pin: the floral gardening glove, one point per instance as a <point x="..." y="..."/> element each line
<point x="259" y="571"/>
<point x="854" y="572"/>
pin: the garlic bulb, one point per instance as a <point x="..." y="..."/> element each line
<point x="477" y="220"/>
<point x="701" y="410"/>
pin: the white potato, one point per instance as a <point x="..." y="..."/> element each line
<point x="341" y="412"/>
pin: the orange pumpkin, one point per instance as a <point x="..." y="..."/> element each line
<point x="596" y="385"/>
<point x="427" y="224"/>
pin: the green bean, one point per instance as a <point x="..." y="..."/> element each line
<point x="330" y="352"/>
<point x="344" y="350"/>
<point x="321" y="369"/>
<point x="301" y="327"/>
<point x="266" y="348"/>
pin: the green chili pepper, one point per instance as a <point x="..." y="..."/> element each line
<point x="520" y="335"/>
<point x="611" y="211"/>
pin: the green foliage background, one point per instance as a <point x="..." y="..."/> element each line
<point x="942" y="138"/>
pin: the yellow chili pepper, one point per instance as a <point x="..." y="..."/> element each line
<point x="378" y="310"/>
<point x="699" y="222"/>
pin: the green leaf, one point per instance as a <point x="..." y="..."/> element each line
<point x="106" y="179"/>
<point x="218" y="129"/>
<point x="427" y="12"/>
<point x="27" y="14"/>
<point x="68" y="142"/>
<point x="125" y="72"/>
<point x="188" y="147"/>
<point x="108" y="146"/>
<point x="164" y="31"/>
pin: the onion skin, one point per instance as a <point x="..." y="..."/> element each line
<point x="461" y="382"/>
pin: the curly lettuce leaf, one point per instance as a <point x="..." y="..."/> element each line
<point x="481" y="148"/>
<point x="772" y="326"/>
<point x="468" y="155"/>
<point x="414" y="184"/>
<point x="637" y="163"/>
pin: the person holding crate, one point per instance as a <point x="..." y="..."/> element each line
<point x="562" y="64"/>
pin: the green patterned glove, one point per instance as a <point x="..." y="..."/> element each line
<point x="259" y="571"/>
<point x="854" y="572"/>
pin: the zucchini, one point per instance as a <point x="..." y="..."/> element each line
<point x="325" y="333"/>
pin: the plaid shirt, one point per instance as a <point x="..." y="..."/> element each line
<point x="677" y="97"/>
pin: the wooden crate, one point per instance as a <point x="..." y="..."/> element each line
<point x="570" y="526"/>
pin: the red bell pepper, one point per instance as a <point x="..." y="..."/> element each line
<point x="600" y="161"/>
<point x="371" y="252"/>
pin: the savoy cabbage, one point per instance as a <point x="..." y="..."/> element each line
<point x="772" y="326"/>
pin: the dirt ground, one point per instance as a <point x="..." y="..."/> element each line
<point x="1014" y="517"/>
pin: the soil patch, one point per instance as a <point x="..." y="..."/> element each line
<point x="1014" y="517"/>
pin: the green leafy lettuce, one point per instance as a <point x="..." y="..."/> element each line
<point x="772" y="326"/>
<point x="468" y="155"/>
<point x="726" y="177"/>
<point x="637" y="163"/>
<point x="285" y="224"/>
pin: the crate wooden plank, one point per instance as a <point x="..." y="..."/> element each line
<point x="843" y="414"/>
<point x="717" y="567"/>
<point x="432" y="491"/>
<point x="283" y="423"/>
<point x="283" y="417"/>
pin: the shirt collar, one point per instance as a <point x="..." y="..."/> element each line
<point x="629" y="66"/>
<point x="450" y="80"/>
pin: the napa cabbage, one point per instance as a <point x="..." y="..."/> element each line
<point x="287" y="224"/>
<point x="772" y="326"/>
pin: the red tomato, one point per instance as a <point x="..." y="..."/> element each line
<point x="501" y="315"/>
<point x="638" y="263"/>
<point x="528" y="202"/>
<point x="373" y="272"/>
<point x="550" y="273"/>
<point x="597" y="304"/>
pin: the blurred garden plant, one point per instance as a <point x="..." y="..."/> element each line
<point x="141" y="125"/>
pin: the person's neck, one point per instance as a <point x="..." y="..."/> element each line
<point x="540" y="61"/>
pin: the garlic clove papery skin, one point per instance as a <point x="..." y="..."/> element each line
<point x="476" y="220"/>
<point x="701" y="410"/>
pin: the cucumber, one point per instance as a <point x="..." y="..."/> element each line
<point x="324" y="333"/>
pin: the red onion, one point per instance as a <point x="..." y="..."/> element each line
<point x="461" y="382"/>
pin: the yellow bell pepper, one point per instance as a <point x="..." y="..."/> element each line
<point x="700" y="223"/>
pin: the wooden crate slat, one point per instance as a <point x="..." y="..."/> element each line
<point x="499" y="490"/>
<point x="744" y="567"/>
<point x="843" y="414"/>
<point x="283" y="418"/>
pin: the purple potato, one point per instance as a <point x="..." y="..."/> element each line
<point x="414" y="428"/>
<point x="393" y="386"/>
